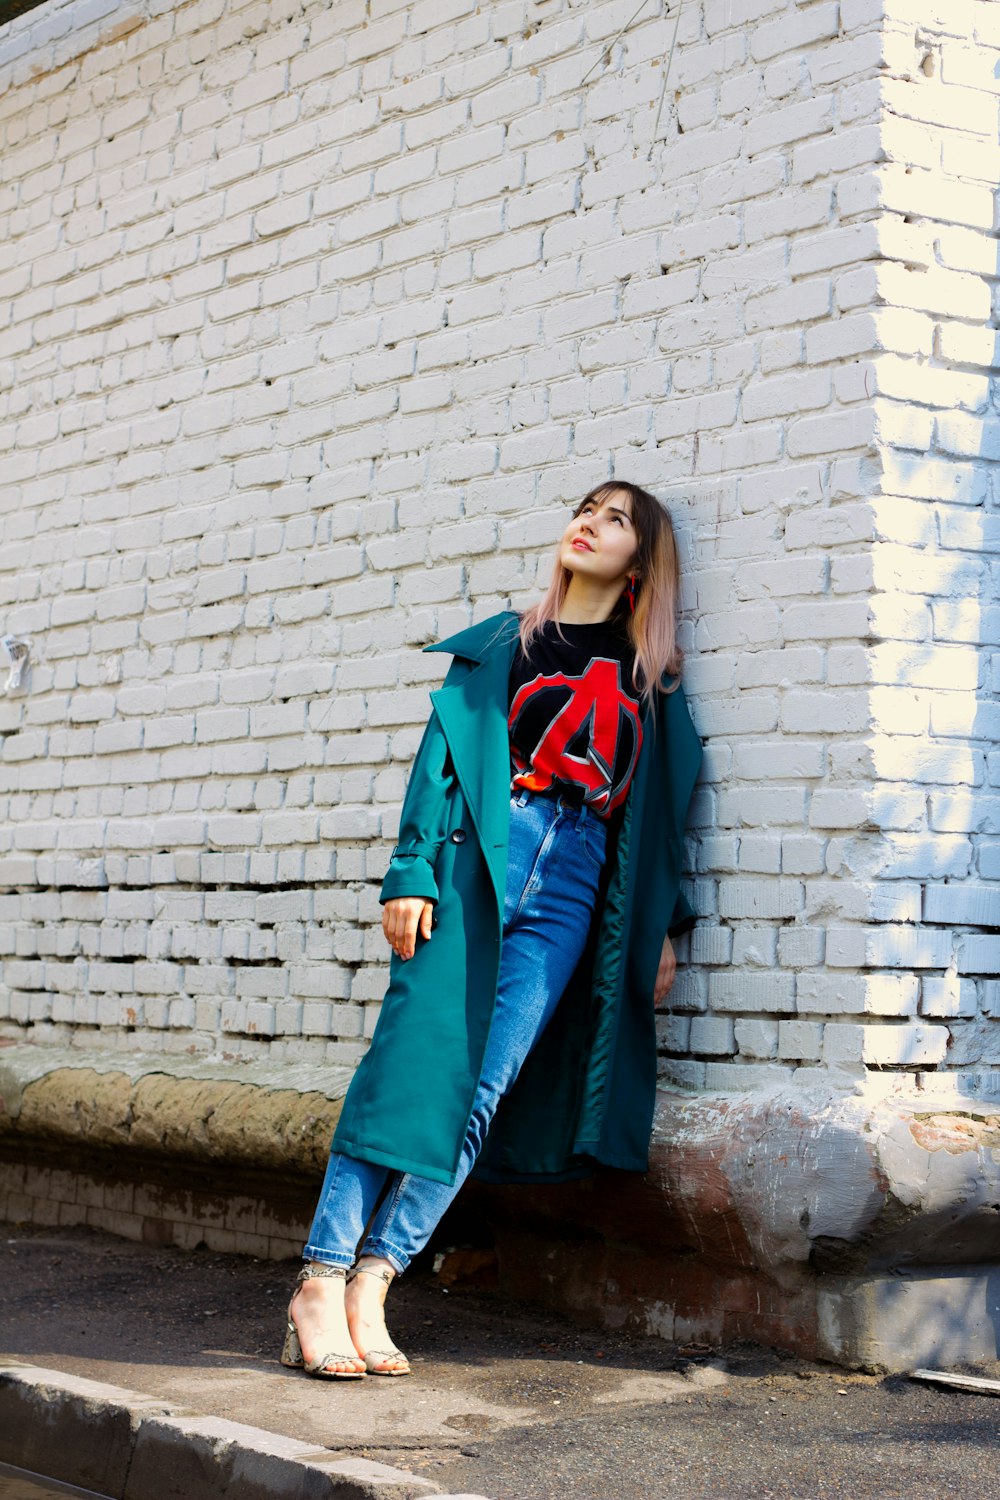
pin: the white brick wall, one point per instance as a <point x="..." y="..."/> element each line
<point x="317" y="319"/>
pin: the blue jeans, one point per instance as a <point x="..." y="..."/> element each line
<point x="554" y="862"/>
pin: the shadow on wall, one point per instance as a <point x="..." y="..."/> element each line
<point x="935" y="636"/>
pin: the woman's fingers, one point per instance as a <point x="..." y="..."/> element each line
<point x="400" y="918"/>
<point x="390" y="923"/>
<point x="408" y="936"/>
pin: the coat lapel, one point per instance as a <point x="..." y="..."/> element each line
<point x="472" y="708"/>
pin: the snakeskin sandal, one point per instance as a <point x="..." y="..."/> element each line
<point x="291" y="1353"/>
<point x="379" y="1354"/>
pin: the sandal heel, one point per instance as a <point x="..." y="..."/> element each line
<point x="291" y="1349"/>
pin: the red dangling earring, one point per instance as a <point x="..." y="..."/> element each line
<point x="631" y="592"/>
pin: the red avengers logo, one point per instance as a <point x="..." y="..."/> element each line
<point x="591" y="709"/>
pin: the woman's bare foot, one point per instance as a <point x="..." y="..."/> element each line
<point x="364" y="1301"/>
<point x="317" y="1310"/>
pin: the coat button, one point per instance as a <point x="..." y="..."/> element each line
<point x="458" y="836"/>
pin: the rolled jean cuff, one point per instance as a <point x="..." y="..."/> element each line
<point x="391" y="1253"/>
<point x="327" y="1257"/>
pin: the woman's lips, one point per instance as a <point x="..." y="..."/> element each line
<point x="581" y="545"/>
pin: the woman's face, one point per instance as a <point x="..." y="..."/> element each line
<point x="600" y="541"/>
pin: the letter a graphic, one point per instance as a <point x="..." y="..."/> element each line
<point x="594" y="708"/>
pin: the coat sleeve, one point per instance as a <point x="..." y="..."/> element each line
<point x="683" y="918"/>
<point x="686" y="758"/>
<point x="423" y="824"/>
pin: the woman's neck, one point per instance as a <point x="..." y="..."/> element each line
<point x="590" y="608"/>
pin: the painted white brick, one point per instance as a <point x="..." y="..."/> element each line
<point x="765" y="994"/>
<point x="801" y="947"/>
<point x="978" y="954"/>
<point x="906" y="947"/>
<point x="962" y="904"/>
<point x="856" y="994"/>
<point x="800" y="1040"/>
<point x="757" y="1039"/>
<point x="424" y="292"/>
<point x="673" y="1033"/>
<point x="761" y="853"/>
<point x="746" y="1076"/>
<point x="711" y="1036"/>
<point x="682" y="1073"/>
<point x="886" y="1046"/>
<point x="772" y="898"/>
<point x="755" y="947"/>
<point x="711" y="945"/>
<point x="845" y="947"/>
<point x="947" y="996"/>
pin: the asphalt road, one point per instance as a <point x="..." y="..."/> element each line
<point x="506" y="1401"/>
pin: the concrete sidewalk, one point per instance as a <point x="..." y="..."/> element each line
<point x="505" y="1402"/>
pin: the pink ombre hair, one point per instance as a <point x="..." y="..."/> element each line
<point x="652" y="629"/>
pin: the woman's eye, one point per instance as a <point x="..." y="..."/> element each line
<point x="588" y="510"/>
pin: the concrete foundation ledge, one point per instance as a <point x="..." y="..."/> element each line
<point x="267" y="1117"/>
<point x="861" y="1230"/>
<point x="794" y="1218"/>
<point x="131" y="1447"/>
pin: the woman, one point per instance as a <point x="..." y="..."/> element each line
<point x="529" y="905"/>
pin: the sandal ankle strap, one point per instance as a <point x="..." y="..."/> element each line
<point x="320" y="1268"/>
<point x="380" y="1272"/>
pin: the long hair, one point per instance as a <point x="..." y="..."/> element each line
<point x="652" y="629"/>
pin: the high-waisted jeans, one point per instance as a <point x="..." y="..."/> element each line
<point x="554" y="862"/>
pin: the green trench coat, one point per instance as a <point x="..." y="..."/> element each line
<point x="586" y="1092"/>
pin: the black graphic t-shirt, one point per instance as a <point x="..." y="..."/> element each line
<point x="574" y="716"/>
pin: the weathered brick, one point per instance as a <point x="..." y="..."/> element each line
<point x="885" y="1046"/>
<point x="962" y="904"/>
<point x="766" y="898"/>
<point x="801" y="1040"/>
<point x="978" y="954"/>
<point x="947" y="996"/>
<point x="711" y="1035"/>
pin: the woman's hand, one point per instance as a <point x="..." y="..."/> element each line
<point x="665" y="973"/>
<point x="400" y="920"/>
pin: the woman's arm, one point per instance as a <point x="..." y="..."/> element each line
<point x="682" y="920"/>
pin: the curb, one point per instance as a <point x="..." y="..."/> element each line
<point x="128" y="1446"/>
